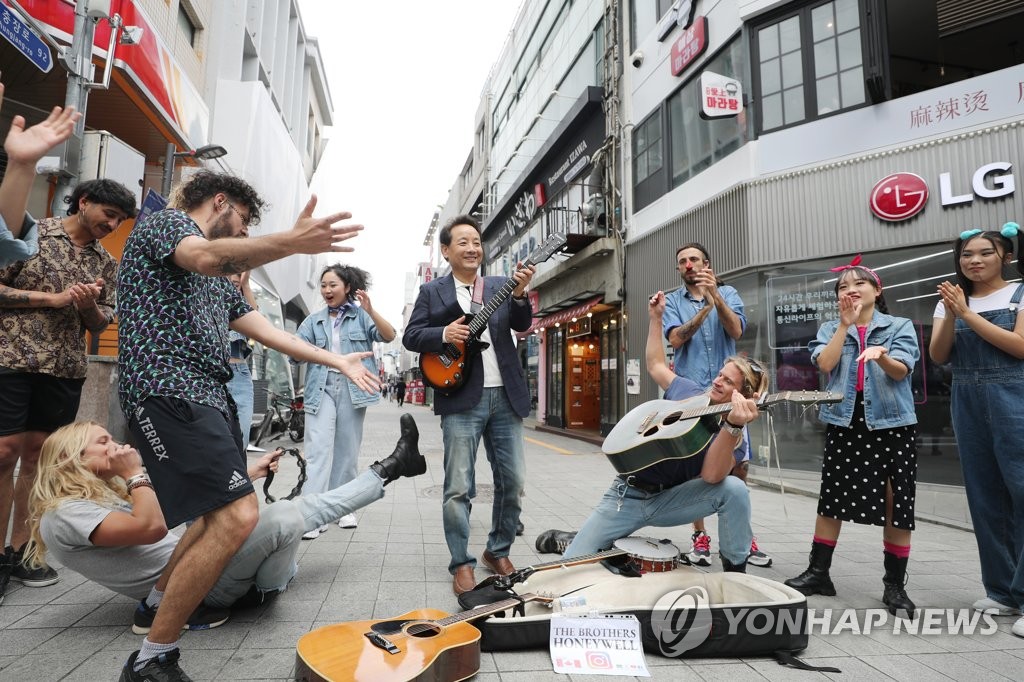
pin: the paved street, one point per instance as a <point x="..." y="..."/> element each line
<point x="396" y="561"/>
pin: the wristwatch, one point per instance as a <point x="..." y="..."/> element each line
<point x="732" y="429"/>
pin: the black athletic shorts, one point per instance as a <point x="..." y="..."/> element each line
<point x="193" y="453"/>
<point x="30" y="401"/>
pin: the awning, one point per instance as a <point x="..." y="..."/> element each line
<point x="565" y="315"/>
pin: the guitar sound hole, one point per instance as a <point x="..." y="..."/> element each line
<point x="672" y="418"/>
<point x="423" y="630"/>
<point x="651" y="431"/>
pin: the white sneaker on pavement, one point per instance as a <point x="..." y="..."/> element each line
<point x="347" y="521"/>
<point x="999" y="609"/>
<point x="1018" y="627"/>
<point x="315" y="533"/>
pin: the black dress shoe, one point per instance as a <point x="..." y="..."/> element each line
<point x="406" y="460"/>
<point x="554" y="541"/>
<point x="520" y="529"/>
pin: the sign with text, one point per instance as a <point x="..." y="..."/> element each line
<point x="690" y="44"/>
<point x="900" y="196"/>
<point x="25" y="40"/>
<point x="597" y="645"/>
<point x="797" y="306"/>
<point x="720" y="96"/>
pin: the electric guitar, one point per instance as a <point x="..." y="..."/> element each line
<point x="446" y="371"/>
<point x="425" y="644"/>
<point x="677" y="429"/>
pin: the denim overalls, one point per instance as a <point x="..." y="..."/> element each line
<point x="988" y="387"/>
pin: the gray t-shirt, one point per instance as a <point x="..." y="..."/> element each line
<point x="131" y="571"/>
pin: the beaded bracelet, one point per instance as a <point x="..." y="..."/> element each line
<point x="140" y="483"/>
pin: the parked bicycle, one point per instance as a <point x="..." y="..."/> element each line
<point x="282" y="416"/>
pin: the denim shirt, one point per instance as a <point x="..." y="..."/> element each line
<point x="887" y="403"/>
<point x="358" y="332"/>
<point x="14" y="249"/>
<point x="703" y="355"/>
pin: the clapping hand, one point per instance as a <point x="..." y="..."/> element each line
<point x="953" y="298"/>
<point x="849" y="312"/>
<point x="872" y="353"/>
<point x="27" y="146"/>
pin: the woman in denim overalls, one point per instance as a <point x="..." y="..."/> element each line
<point x="979" y="327"/>
<point x="869" y="472"/>
<point x="335" y="406"/>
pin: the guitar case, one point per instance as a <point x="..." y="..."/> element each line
<point x="744" y="615"/>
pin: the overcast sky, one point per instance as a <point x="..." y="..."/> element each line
<point x="406" y="79"/>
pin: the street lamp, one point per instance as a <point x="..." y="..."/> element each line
<point x="204" y="153"/>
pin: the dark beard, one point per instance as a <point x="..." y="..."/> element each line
<point x="222" y="228"/>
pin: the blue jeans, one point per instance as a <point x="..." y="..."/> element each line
<point x="240" y="388"/>
<point x="267" y="558"/>
<point x="494" y="420"/>
<point x="987" y="392"/>
<point x="333" y="437"/>
<point x="677" y="506"/>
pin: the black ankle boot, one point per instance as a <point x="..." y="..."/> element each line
<point x="729" y="567"/>
<point x="406" y="460"/>
<point x="815" y="580"/>
<point x="894" y="595"/>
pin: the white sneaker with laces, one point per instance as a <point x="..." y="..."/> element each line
<point x="1018" y="627"/>
<point x="997" y="608"/>
<point x="347" y="521"/>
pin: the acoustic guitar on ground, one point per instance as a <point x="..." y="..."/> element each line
<point x="676" y="429"/>
<point x="425" y="644"/>
<point x="446" y="371"/>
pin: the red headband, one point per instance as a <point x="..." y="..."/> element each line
<point x="855" y="263"/>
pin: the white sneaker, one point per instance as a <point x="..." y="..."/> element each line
<point x="347" y="521"/>
<point x="315" y="533"/>
<point x="998" y="609"/>
<point x="1018" y="627"/>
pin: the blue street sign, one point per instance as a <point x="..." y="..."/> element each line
<point x="19" y="34"/>
<point x="151" y="203"/>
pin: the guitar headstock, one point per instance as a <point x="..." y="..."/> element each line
<point x="550" y="246"/>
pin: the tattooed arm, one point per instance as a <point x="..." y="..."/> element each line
<point x="21" y="298"/>
<point x="680" y="335"/>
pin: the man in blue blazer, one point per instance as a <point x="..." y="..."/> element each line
<point x="491" y="404"/>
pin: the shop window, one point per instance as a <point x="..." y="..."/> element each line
<point x="696" y="143"/>
<point x="187" y="25"/>
<point x="556" y="360"/>
<point x="648" y="166"/>
<point x="808" y="64"/>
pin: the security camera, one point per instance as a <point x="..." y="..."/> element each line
<point x="637" y="58"/>
<point x="131" y="35"/>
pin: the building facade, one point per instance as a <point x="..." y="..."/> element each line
<point x="869" y="127"/>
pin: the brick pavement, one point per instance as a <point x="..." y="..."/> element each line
<point x="396" y="561"/>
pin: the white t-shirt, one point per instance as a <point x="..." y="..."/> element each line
<point x="131" y="570"/>
<point x="998" y="300"/>
<point x="492" y="373"/>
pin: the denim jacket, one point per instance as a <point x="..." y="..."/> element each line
<point x="358" y="332"/>
<point x="887" y="403"/>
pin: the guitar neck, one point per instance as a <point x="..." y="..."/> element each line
<point x="485" y="610"/>
<point x="479" y="321"/>
<point x="762" y="403"/>
<point x="577" y="560"/>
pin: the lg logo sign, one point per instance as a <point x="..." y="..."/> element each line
<point x="903" y="195"/>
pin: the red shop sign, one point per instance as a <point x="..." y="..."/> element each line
<point x="690" y="44"/>
<point x="899" y="196"/>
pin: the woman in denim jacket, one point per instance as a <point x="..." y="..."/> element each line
<point x="334" y="406"/>
<point x="979" y="328"/>
<point x="869" y="472"/>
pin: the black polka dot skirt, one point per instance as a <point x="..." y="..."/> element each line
<point x="857" y="464"/>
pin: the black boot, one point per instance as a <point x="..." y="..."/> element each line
<point x="554" y="541"/>
<point x="406" y="460"/>
<point x="894" y="595"/>
<point x="729" y="567"/>
<point x="815" y="580"/>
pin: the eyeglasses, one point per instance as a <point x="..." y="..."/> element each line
<point x="244" y="219"/>
<point x="757" y="369"/>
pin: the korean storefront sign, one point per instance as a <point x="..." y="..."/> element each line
<point x="900" y="196"/>
<point x="690" y="44"/>
<point x="720" y="96"/>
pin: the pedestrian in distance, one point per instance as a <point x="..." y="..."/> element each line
<point x="979" y="328"/>
<point x="400" y="392"/>
<point x="336" y="407"/>
<point x="869" y="472"/>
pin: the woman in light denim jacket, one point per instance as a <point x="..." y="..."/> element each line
<point x="334" y="406"/>
<point x="869" y="470"/>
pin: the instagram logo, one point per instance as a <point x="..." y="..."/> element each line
<point x="599" y="660"/>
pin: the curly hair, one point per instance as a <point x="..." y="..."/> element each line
<point x="103" y="191"/>
<point x="61" y="476"/>
<point x="353" y="277"/>
<point x="202" y="185"/>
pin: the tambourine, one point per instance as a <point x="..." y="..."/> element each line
<point x="301" y="461"/>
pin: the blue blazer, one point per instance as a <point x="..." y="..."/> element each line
<point x="436" y="307"/>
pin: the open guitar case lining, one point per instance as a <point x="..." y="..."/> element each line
<point x="750" y="601"/>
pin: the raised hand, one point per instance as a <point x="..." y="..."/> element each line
<point x="27" y="146"/>
<point x="953" y="298"/>
<point x="364" y="301"/>
<point x="319" y="235"/>
<point x="849" y="312"/>
<point x="351" y="366"/>
<point x="872" y="353"/>
<point x="656" y="305"/>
